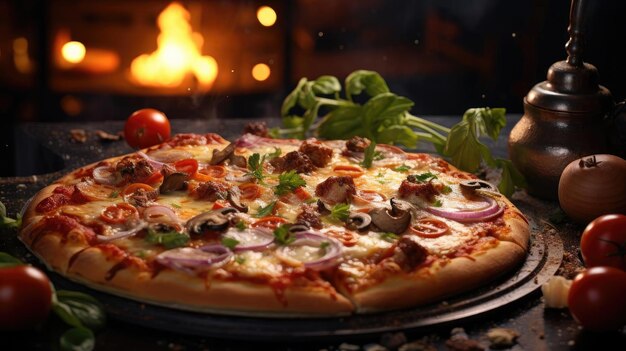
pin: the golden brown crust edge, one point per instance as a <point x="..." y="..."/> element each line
<point x="434" y="283"/>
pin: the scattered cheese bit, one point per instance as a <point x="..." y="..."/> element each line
<point x="502" y="337"/>
<point x="555" y="292"/>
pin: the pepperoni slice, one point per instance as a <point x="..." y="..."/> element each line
<point x="430" y="228"/>
<point x="119" y="213"/>
<point x="270" y="222"/>
<point x="250" y="191"/>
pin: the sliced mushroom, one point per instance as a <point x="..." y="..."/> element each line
<point x="298" y="227"/>
<point x="227" y="211"/>
<point x="212" y="220"/>
<point x="474" y="184"/>
<point x="238" y="160"/>
<point x="394" y="221"/>
<point x="234" y="198"/>
<point x="221" y="155"/>
<point x="358" y="221"/>
<point x="173" y="182"/>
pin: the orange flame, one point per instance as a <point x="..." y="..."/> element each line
<point x="177" y="54"/>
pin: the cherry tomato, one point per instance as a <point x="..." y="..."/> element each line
<point x="596" y="298"/>
<point x="603" y="242"/>
<point x="118" y="213"/>
<point x="25" y="297"/>
<point x="146" y="127"/>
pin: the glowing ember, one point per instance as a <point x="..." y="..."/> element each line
<point x="178" y="54"/>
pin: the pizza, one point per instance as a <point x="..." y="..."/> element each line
<point x="275" y="227"/>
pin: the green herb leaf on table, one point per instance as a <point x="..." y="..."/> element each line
<point x="169" y="240"/>
<point x="265" y="211"/>
<point x="288" y="182"/>
<point x="7" y="222"/>
<point x="340" y="212"/>
<point x="7" y="261"/>
<point x="283" y="236"/>
<point x="79" y="309"/>
<point x="77" y="339"/>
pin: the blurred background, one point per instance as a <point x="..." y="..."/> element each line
<point x="71" y="61"/>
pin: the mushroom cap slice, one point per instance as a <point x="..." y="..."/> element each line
<point x="386" y="221"/>
<point x="211" y="220"/>
<point x="358" y="221"/>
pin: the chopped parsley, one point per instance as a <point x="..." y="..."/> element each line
<point x="421" y="178"/>
<point x="169" y="240"/>
<point x="274" y="154"/>
<point x="255" y="165"/>
<point x="241" y="225"/>
<point x="437" y="203"/>
<point x="324" y="246"/>
<point x="265" y="211"/>
<point x="369" y="155"/>
<point x="176" y="205"/>
<point x="114" y="194"/>
<point x="340" y="212"/>
<point x="230" y="242"/>
<point x="282" y="236"/>
<point x="403" y="168"/>
<point x="390" y="237"/>
<point x="240" y="259"/>
<point x="288" y="182"/>
<point x="446" y="189"/>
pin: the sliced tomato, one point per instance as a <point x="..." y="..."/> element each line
<point x="368" y="196"/>
<point x="118" y="213"/>
<point x="346" y="237"/>
<point x="302" y="194"/>
<point x="349" y="170"/>
<point x="214" y="171"/>
<point x="430" y="228"/>
<point x="188" y="165"/>
<point x="155" y="178"/>
<point x="250" y="191"/>
<point x="270" y="222"/>
<point x="132" y="188"/>
<point x="219" y="205"/>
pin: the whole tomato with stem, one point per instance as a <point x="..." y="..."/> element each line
<point x="146" y="127"/>
<point x="25" y="297"/>
<point x="603" y="242"/>
<point x="597" y="300"/>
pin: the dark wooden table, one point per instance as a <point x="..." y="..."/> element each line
<point x="46" y="149"/>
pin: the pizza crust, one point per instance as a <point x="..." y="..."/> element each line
<point x="439" y="281"/>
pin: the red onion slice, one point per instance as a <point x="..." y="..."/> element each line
<point x="492" y="210"/>
<point x="308" y="244"/>
<point x="106" y="175"/>
<point x="160" y="214"/>
<point x="169" y="155"/>
<point x="255" y="239"/>
<point x="192" y="260"/>
<point x="248" y="140"/>
<point x="123" y="233"/>
<point x="156" y="164"/>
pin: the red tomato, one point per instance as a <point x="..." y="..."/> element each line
<point x="603" y="242"/>
<point x="430" y="228"/>
<point x="596" y="298"/>
<point x="188" y="165"/>
<point x="25" y="297"/>
<point x="146" y="127"/>
<point x="118" y="213"/>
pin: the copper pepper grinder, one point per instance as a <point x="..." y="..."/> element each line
<point x="563" y="117"/>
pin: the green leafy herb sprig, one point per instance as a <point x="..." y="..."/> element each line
<point x="7" y="222"/>
<point x="169" y="240"/>
<point x="385" y="118"/>
<point x="288" y="181"/>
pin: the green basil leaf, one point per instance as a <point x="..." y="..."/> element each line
<point x="79" y="309"/>
<point x="380" y="109"/>
<point x="326" y="85"/>
<point x="487" y="120"/>
<point x="169" y="240"/>
<point x="309" y="117"/>
<point x="369" y="81"/>
<point x="292" y="99"/>
<point x="307" y="98"/>
<point x="7" y="261"/>
<point x="511" y="178"/>
<point x="398" y="135"/>
<point x="342" y="123"/>
<point x="77" y="339"/>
